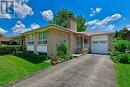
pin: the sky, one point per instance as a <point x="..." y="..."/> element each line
<point x="100" y="15"/>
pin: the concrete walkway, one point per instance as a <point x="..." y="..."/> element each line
<point x="87" y="71"/>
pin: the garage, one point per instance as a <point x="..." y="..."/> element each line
<point x="99" y="44"/>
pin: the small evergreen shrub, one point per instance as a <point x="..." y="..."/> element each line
<point x="63" y="51"/>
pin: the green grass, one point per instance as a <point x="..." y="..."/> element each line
<point x="123" y="75"/>
<point x="14" y="68"/>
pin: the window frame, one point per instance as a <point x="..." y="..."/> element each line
<point x="42" y="38"/>
<point x="31" y="39"/>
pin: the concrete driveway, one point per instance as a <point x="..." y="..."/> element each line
<point x="87" y="71"/>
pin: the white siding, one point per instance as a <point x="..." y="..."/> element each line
<point x="42" y="48"/>
<point x="30" y="48"/>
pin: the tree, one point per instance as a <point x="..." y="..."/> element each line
<point x="122" y="33"/>
<point x="80" y="24"/>
<point x="116" y="34"/>
<point x="61" y="19"/>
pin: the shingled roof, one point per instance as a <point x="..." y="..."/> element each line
<point x="91" y="33"/>
<point x="5" y="39"/>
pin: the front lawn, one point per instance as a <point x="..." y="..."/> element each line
<point x="15" y="67"/>
<point x="123" y="75"/>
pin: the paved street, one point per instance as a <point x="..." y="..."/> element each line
<point x="87" y="71"/>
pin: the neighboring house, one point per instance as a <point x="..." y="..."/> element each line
<point x="5" y="40"/>
<point x="46" y="39"/>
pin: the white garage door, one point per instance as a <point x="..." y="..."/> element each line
<point x="99" y="45"/>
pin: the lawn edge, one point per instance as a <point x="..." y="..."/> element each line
<point x="24" y="77"/>
<point x="34" y="73"/>
<point x="115" y="74"/>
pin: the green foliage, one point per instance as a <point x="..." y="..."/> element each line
<point x="63" y="51"/>
<point x="31" y="57"/>
<point x="120" y="45"/>
<point x="122" y="33"/>
<point x="114" y="56"/>
<point x="10" y="49"/>
<point x="80" y="24"/>
<point x="124" y="58"/>
<point x="119" y="57"/>
<point x="61" y="19"/>
<point x="120" y="51"/>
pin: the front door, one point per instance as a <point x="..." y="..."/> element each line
<point x="79" y="42"/>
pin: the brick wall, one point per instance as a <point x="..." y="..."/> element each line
<point x="72" y="24"/>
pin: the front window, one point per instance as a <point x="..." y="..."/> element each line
<point x="43" y="38"/>
<point x="31" y="39"/>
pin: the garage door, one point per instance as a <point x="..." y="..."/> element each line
<point x="100" y="47"/>
<point x="99" y="44"/>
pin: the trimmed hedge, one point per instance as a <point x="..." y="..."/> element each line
<point x="31" y="57"/>
<point x="10" y="49"/>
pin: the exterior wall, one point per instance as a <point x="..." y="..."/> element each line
<point x="56" y="37"/>
<point x="26" y="40"/>
<point x="72" y="42"/>
<point x="35" y="42"/>
<point x="110" y="41"/>
<point x="36" y="48"/>
<point x="99" y="37"/>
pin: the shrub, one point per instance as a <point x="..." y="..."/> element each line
<point x="120" y="45"/>
<point x="120" y="48"/>
<point x="63" y="51"/>
<point x="124" y="58"/>
<point x="128" y="46"/>
<point x="31" y="57"/>
<point x="10" y="49"/>
<point x="114" y="54"/>
<point x="119" y="57"/>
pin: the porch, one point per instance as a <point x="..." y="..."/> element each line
<point x="82" y="43"/>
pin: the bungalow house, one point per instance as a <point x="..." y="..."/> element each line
<point x="5" y="40"/>
<point x="46" y="39"/>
